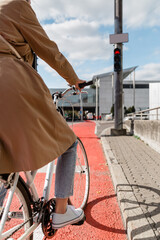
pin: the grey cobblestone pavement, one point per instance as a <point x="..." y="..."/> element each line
<point x="135" y="170"/>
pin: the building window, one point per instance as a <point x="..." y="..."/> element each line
<point x="136" y="86"/>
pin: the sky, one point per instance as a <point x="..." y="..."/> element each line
<point x="81" y="29"/>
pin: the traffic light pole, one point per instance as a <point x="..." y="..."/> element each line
<point x="118" y="75"/>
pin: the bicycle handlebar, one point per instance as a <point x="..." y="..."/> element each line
<point x="84" y="84"/>
<point x="81" y="85"/>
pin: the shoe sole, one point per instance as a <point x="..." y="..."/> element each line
<point x="79" y="222"/>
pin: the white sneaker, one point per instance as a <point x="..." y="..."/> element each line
<point x="72" y="216"/>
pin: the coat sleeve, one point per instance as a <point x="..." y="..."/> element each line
<point x="46" y="49"/>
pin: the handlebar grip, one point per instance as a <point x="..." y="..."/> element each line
<point x="84" y="84"/>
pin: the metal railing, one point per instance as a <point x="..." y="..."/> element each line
<point x="145" y="114"/>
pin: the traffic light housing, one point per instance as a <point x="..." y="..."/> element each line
<point x="117" y="60"/>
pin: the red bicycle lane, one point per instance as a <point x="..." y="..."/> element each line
<point x="103" y="217"/>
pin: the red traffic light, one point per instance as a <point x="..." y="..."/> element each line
<point x="117" y="59"/>
<point x="117" y="51"/>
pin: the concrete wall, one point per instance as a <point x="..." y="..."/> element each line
<point x="148" y="131"/>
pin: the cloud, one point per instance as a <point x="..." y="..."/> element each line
<point x="136" y="13"/>
<point x="101" y="71"/>
<point x="80" y="40"/>
<point x="74" y="27"/>
<point x="143" y="13"/>
<point x="149" y="71"/>
<point x="58" y="10"/>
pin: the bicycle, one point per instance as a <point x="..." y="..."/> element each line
<point x="23" y="210"/>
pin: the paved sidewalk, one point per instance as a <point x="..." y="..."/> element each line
<point x="135" y="170"/>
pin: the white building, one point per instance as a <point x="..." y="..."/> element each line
<point x="140" y="94"/>
<point x="135" y="92"/>
<point x="154" y="99"/>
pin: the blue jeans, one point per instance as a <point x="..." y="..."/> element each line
<point x="65" y="170"/>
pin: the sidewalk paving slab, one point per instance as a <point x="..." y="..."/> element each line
<point x="135" y="171"/>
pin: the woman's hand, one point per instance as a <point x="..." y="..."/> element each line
<point x="77" y="84"/>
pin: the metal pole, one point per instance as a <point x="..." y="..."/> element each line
<point x="112" y="89"/>
<point x="96" y="105"/>
<point x="81" y="107"/>
<point x="134" y="89"/>
<point x="96" y="99"/>
<point x="118" y="76"/>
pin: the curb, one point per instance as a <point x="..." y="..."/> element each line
<point x="135" y="222"/>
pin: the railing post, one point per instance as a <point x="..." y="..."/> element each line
<point x="157" y="114"/>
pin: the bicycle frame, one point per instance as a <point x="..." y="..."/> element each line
<point x="30" y="176"/>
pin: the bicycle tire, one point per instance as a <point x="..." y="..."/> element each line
<point x="20" y="209"/>
<point x="81" y="179"/>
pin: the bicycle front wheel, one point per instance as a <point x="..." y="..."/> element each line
<point x="19" y="212"/>
<point x="81" y="179"/>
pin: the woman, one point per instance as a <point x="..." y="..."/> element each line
<point x="32" y="133"/>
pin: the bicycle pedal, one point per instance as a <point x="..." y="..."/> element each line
<point x="48" y="209"/>
<point x="80" y="222"/>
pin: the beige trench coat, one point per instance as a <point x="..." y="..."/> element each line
<point x="32" y="132"/>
